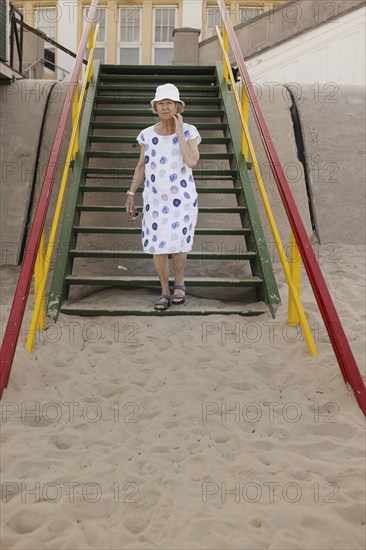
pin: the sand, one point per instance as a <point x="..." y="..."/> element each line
<point x="189" y="432"/>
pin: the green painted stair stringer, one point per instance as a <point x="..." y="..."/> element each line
<point x="262" y="266"/>
<point x="62" y="260"/>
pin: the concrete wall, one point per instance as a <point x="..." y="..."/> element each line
<point x="276" y="104"/>
<point x="334" y="138"/>
<point x="22" y="105"/>
<point x="331" y="53"/>
<point x="272" y="28"/>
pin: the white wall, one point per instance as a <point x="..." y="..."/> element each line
<point x="192" y="14"/>
<point x="333" y="52"/>
<point x="67" y="35"/>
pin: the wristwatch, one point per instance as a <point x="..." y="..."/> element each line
<point x="131" y="193"/>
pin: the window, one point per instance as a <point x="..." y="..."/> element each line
<point x="46" y="22"/>
<point x="213" y="18"/>
<point x="249" y="13"/>
<point x="164" y="24"/>
<point x="100" y="46"/>
<point x="129" y="35"/>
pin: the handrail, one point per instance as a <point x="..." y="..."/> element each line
<point x="327" y="309"/>
<point x="14" y="21"/>
<point x="32" y="65"/>
<point x="46" y="38"/>
<point x="16" y="315"/>
<point x="39" y="298"/>
<point x="276" y="236"/>
<point x="43" y="60"/>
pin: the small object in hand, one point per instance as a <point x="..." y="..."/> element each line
<point x="132" y="216"/>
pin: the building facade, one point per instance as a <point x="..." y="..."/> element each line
<point x="131" y="31"/>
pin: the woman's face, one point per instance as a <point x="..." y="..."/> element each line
<point x="166" y="109"/>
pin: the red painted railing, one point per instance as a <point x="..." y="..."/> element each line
<point x="13" y="327"/>
<point x="327" y="309"/>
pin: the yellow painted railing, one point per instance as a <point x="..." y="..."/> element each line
<point x="43" y="263"/>
<point x="296" y="314"/>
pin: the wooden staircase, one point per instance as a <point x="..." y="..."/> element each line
<point x="229" y="254"/>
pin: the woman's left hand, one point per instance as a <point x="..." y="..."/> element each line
<point x="178" y="119"/>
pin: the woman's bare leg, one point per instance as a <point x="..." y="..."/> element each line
<point x="179" y="262"/>
<point x="162" y="269"/>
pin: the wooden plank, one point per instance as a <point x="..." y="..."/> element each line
<point x="136" y="230"/>
<point x="154" y="281"/>
<point x="136" y="155"/>
<point x="188" y="113"/>
<point x="142" y="255"/>
<point x="203" y="89"/>
<point x="141" y="125"/>
<point x="132" y="139"/>
<point x="201" y="209"/>
<point x="124" y="189"/>
<point x="170" y="312"/>
<point x="191" y="100"/>
<point x="158" y="78"/>
<point x="197" y="173"/>
<point x="147" y="70"/>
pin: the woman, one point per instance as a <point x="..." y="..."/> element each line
<point x="169" y="151"/>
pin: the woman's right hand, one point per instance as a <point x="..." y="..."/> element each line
<point x="130" y="204"/>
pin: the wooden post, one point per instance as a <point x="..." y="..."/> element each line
<point x="245" y="110"/>
<point x="226" y="48"/>
<point x="293" y="318"/>
<point x="75" y="109"/>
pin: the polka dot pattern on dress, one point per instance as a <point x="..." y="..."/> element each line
<point x="170" y="202"/>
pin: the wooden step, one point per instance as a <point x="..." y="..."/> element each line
<point x="200" y="90"/>
<point x="132" y="139"/>
<point x="124" y="189"/>
<point x="201" y="209"/>
<point x="136" y="155"/>
<point x="186" y="309"/>
<point x="159" y="78"/>
<point x="188" y="113"/>
<point x="142" y="125"/>
<point x="198" y="174"/>
<point x="201" y="100"/>
<point x="169" y="70"/>
<point x="114" y="280"/>
<point x="137" y="254"/>
<point x="137" y="230"/>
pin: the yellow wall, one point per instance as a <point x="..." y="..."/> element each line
<point x="112" y="7"/>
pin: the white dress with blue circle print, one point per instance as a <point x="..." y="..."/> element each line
<point x="170" y="203"/>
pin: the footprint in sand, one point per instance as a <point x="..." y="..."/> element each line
<point x="60" y="363"/>
<point x="138" y="515"/>
<point x="170" y="424"/>
<point x="26" y="521"/>
<point x="63" y="442"/>
<point x="138" y="378"/>
<point x="256" y="522"/>
<point x="158" y="530"/>
<point x="99" y="349"/>
<point x="37" y="421"/>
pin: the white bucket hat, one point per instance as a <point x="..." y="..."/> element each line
<point x="167" y="91"/>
